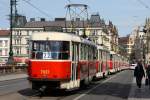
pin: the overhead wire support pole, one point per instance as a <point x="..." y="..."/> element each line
<point x="10" y="59"/>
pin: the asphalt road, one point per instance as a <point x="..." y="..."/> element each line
<point x="11" y="86"/>
<point x="116" y="87"/>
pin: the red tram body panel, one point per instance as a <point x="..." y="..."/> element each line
<point x="83" y="69"/>
<point x="51" y="70"/>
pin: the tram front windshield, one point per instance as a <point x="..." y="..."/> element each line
<point x="52" y="50"/>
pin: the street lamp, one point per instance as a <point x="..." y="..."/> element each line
<point x="146" y="55"/>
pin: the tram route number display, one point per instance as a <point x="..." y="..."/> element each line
<point x="47" y="55"/>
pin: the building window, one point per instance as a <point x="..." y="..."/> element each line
<point x="27" y="33"/>
<point x="20" y="40"/>
<point x="27" y="49"/>
<point x="17" y="32"/>
<point x="27" y="39"/>
<point x="17" y="50"/>
<point x="17" y="41"/>
<point x="6" y="43"/>
<point x="0" y="52"/>
<point x="1" y="43"/>
<point x="6" y="52"/>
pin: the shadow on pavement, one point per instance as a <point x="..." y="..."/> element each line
<point x="117" y="88"/>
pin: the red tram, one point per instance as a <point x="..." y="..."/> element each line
<point x="61" y="60"/>
<point x="64" y="61"/>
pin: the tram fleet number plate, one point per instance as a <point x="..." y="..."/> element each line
<point x="45" y="72"/>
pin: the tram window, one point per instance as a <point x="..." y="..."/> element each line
<point x="39" y="55"/>
<point x="86" y="52"/>
<point x="35" y="46"/>
<point x="73" y="51"/>
<point x="95" y="53"/>
<point x="50" y="50"/>
<point x="42" y="47"/>
<point x="90" y="53"/>
<point x="105" y="55"/>
<point x="82" y="52"/>
<point x="101" y="53"/>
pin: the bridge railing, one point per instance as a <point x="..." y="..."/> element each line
<point x="6" y="69"/>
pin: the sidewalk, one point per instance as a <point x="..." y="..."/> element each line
<point x="139" y="94"/>
<point x="13" y="76"/>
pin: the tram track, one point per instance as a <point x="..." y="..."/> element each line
<point x="60" y="94"/>
<point x="50" y="95"/>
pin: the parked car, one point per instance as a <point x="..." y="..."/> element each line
<point x="132" y="66"/>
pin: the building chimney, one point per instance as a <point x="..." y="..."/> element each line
<point x="60" y="19"/>
<point x="77" y="19"/>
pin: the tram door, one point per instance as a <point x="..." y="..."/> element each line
<point x="75" y="59"/>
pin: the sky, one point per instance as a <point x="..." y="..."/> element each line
<point x="125" y="14"/>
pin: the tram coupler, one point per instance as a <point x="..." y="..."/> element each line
<point x="42" y="90"/>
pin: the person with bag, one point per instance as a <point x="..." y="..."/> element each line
<point x="147" y="81"/>
<point x="139" y="73"/>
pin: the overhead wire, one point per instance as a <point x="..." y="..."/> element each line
<point x="69" y="1"/>
<point x="38" y="9"/>
<point x="144" y="4"/>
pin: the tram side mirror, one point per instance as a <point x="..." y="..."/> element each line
<point x="94" y="58"/>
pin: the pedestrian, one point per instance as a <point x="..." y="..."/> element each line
<point x="139" y="73"/>
<point x="148" y="74"/>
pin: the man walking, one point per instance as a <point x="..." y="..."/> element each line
<point x="148" y="74"/>
<point x="139" y="73"/>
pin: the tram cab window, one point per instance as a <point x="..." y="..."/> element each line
<point x="51" y="50"/>
<point x="91" y="52"/>
<point x="82" y="52"/>
<point x="95" y="56"/>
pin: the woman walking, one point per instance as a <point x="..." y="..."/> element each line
<point x="139" y="73"/>
<point x="148" y="74"/>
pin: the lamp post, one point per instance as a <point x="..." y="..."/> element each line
<point x="10" y="59"/>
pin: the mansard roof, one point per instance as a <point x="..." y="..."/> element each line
<point x="79" y="24"/>
<point x="123" y="40"/>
